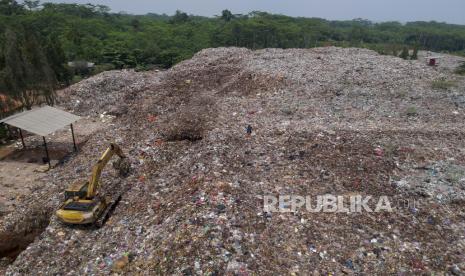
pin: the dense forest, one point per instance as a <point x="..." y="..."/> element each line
<point x="39" y="40"/>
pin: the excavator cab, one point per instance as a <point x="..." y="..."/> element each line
<point x="82" y="211"/>
<point x="78" y="189"/>
<point x="83" y="204"/>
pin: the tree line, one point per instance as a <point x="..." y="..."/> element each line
<point x="39" y="39"/>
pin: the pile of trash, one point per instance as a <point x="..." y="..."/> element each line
<point x="115" y="90"/>
<point x="211" y="137"/>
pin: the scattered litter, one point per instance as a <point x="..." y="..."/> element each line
<point x="331" y="120"/>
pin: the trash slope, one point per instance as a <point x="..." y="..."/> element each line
<point x="325" y="120"/>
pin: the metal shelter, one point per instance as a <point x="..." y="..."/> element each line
<point x="42" y="121"/>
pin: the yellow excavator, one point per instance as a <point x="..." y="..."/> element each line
<point x="83" y="204"/>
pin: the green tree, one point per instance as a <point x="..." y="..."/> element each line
<point x="180" y="17"/>
<point x="56" y="57"/>
<point x="92" y="33"/>
<point x="32" y="4"/>
<point x="227" y="15"/>
<point x="27" y="75"/>
<point x="135" y="23"/>
<point x="10" y="7"/>
<point x="405" y="53"/>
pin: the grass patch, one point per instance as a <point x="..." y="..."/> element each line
<point x="442" y="84"/>
<point x="402" y="94"/>
<point x="454" y="174"/>
<point x="412" y="111"/>
<point x="76" y="79"/>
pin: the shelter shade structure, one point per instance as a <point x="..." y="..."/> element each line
<point x="42" y="121"/>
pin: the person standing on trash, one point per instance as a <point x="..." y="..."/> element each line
<point x="249" y="130"/>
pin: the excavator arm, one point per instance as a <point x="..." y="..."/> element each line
<point x="94" y="181"/>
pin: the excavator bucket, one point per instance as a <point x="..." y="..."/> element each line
<point x="122" y="166"/>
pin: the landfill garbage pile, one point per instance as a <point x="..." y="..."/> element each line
<point x="209" y="138"/>
<point x="115" y="90"/>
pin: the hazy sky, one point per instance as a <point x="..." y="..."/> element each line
<point x="451" y="11"/>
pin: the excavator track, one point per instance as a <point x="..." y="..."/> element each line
<point x="118" y="192"/>
<point x="100" y="222"/>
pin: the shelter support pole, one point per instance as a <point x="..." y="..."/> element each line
<point x="74" y="139"/>
<point x="46" y="151"/>
<point x="22" y="138"/>
<point x="10" y="134"/>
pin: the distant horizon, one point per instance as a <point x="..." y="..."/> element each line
<point x="377" y="11"/>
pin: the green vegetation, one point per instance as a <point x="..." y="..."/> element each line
<point x="38" y="40"/>
<point x="31" y="64"/>
<point x="412" y="111"/>
<point x="461" y="69"/>
<point x="404" y="54"/>
<point x="442" y="84"/>
<point x="414" y="55"/>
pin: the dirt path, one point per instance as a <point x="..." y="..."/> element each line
<point x="18" y="179"/>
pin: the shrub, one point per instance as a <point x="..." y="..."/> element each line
<point x="414" y="55"/>
<point x="102" y="68"/>
<point x="461" y="69"/>
<point x="405" y="53"/>
<point x="76" y="79"/>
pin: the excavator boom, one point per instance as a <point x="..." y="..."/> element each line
<point x="94" y="181"/>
